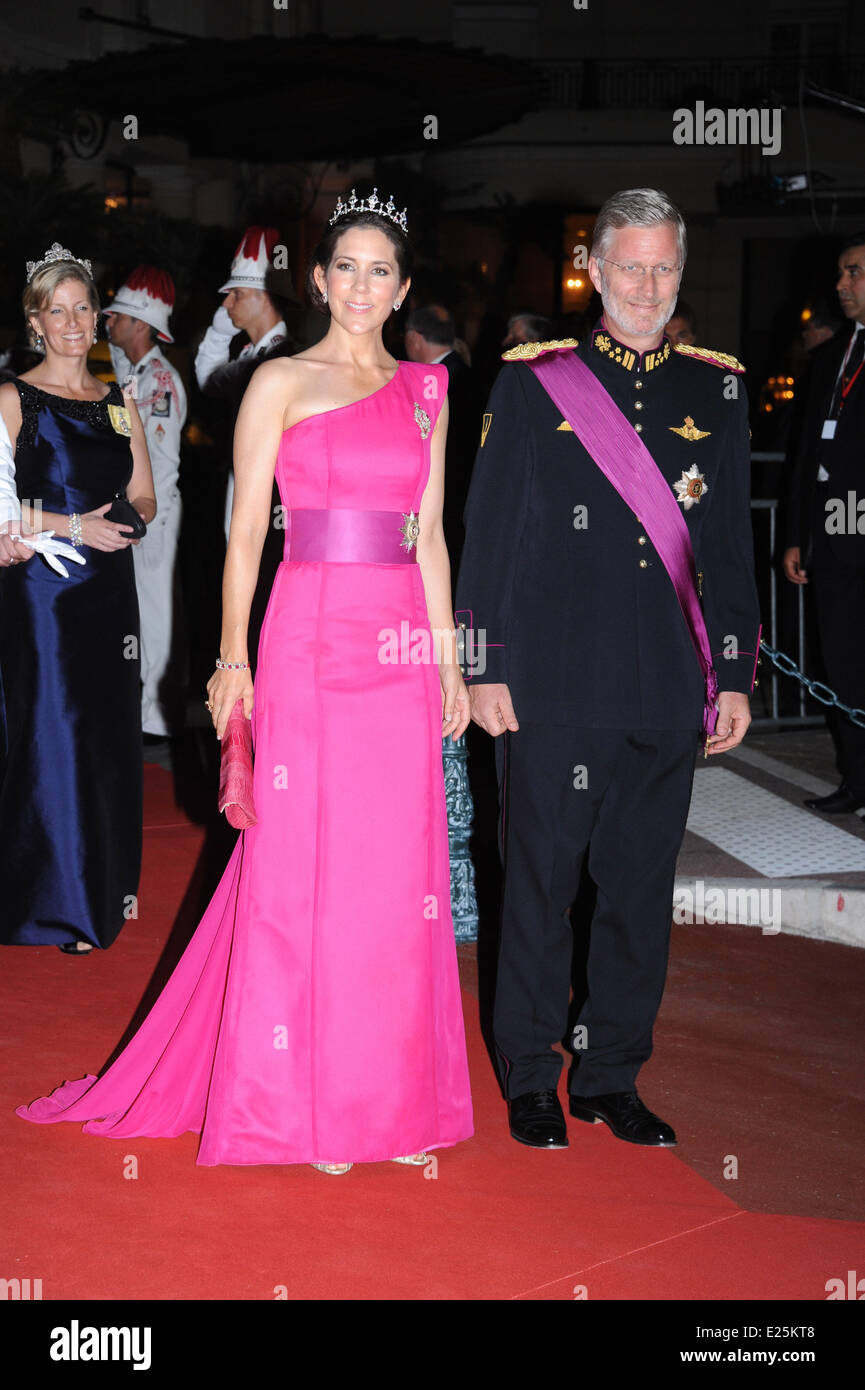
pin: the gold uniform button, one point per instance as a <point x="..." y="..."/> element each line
<point x="638" y="405"/>
<point x="638" y="427"/>
<point x="644" y="564"/>
<point x="641" y="540"/>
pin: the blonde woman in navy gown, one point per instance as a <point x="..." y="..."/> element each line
<point x="70" y="725"/>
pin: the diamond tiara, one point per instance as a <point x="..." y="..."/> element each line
<point x="56" y="252"/>
<point x="371" y="204"/>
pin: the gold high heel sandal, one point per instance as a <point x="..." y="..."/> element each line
<point x="336" y="1169"/>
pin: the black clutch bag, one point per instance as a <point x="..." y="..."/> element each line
<point x="123" y="512"/>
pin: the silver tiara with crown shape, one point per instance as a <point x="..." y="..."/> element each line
<point x="371" y="204"/>
<point x="56" y="252"/>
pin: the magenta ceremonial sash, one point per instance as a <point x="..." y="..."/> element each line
<point x="349" y="535"/>
<point x="625" y="461"/>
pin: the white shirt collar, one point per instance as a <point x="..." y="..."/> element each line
<point x="277" y="331"/>
<point x="143" y="361"/>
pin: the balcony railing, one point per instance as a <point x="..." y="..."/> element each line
<point x="629" y="84"/>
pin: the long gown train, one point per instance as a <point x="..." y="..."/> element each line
<point x="315" y="1015"/>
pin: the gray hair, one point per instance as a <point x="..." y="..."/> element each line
<point x="637" y="207"/>
<point x="538" y="328"/>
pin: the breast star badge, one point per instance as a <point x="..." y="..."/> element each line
<point x="689" y="430"/>
<point x="690" y="487"/>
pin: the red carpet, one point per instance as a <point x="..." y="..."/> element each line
<point x="499" y="1221"/>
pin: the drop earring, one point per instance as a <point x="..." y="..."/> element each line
<point x="324" y="296"/>
<point x="40" y="341"/>
<point x="396" y="304"/>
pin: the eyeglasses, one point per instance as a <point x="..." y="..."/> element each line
<point x="636" y="272"/>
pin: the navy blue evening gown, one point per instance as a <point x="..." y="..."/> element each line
<point x="70" y="712"/>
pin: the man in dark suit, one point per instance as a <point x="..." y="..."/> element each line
<point x="826" y="521"/>
<point x="430" y="334"/>
<point x="592" y="677"/>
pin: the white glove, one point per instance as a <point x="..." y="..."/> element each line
<point x="222" y="322"/>
<point x="214" y="348"/>
<point x="44" y="544"/>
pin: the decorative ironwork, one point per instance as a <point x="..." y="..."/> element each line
<point x="460" y="810"/>
<point x="86" y="134"/>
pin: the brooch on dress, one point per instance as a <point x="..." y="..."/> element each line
<point x="410" y="530"/>
<point x="690" y="487"/>
<point x="120" y="419"/>
<point x="422" y="419"/>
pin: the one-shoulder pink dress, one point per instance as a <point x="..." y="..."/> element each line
<point x="315" y="1015"/>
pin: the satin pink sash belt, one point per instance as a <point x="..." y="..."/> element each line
<point x="349" y="535"/>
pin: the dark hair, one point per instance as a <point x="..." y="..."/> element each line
<point x="854" y="239"/>
<point x="683" y="310"/>
<point x="430" y="324"/>
<point x="326" y="248"/>
<point x="826" y="315"/>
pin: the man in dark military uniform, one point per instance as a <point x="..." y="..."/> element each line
<point x="826" y="522"/>
<point x="592" y="676"/>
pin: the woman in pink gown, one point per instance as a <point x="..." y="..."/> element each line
<point x="315" y="1016"/>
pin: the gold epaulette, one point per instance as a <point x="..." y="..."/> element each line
<point x="718" y="359"/>
<point x="526" y="352"/>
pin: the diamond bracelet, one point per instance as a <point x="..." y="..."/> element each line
<point x="75" y="529"/>
<point x="232" y="665"/>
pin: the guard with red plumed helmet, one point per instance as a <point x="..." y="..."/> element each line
<point x="138" y="322"/>
<point x="248" y="307"/>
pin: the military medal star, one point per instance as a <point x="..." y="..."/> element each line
<point x="690" y="487"/>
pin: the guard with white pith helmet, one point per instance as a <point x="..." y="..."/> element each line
<point x="137" y="322"/>
<point x="253" y="292"/>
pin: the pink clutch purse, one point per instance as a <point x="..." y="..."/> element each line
<point x="235" y="771"/>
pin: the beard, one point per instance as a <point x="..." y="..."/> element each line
<point x="646" y="322"/>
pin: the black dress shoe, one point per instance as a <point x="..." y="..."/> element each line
<point x="537" y="1119"/>
<point x="836" y="803"/>
<point x="627" y="1117"/>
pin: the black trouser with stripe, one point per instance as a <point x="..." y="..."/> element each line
<point x="623" y="818"/>
<point x="839" y="602"/>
